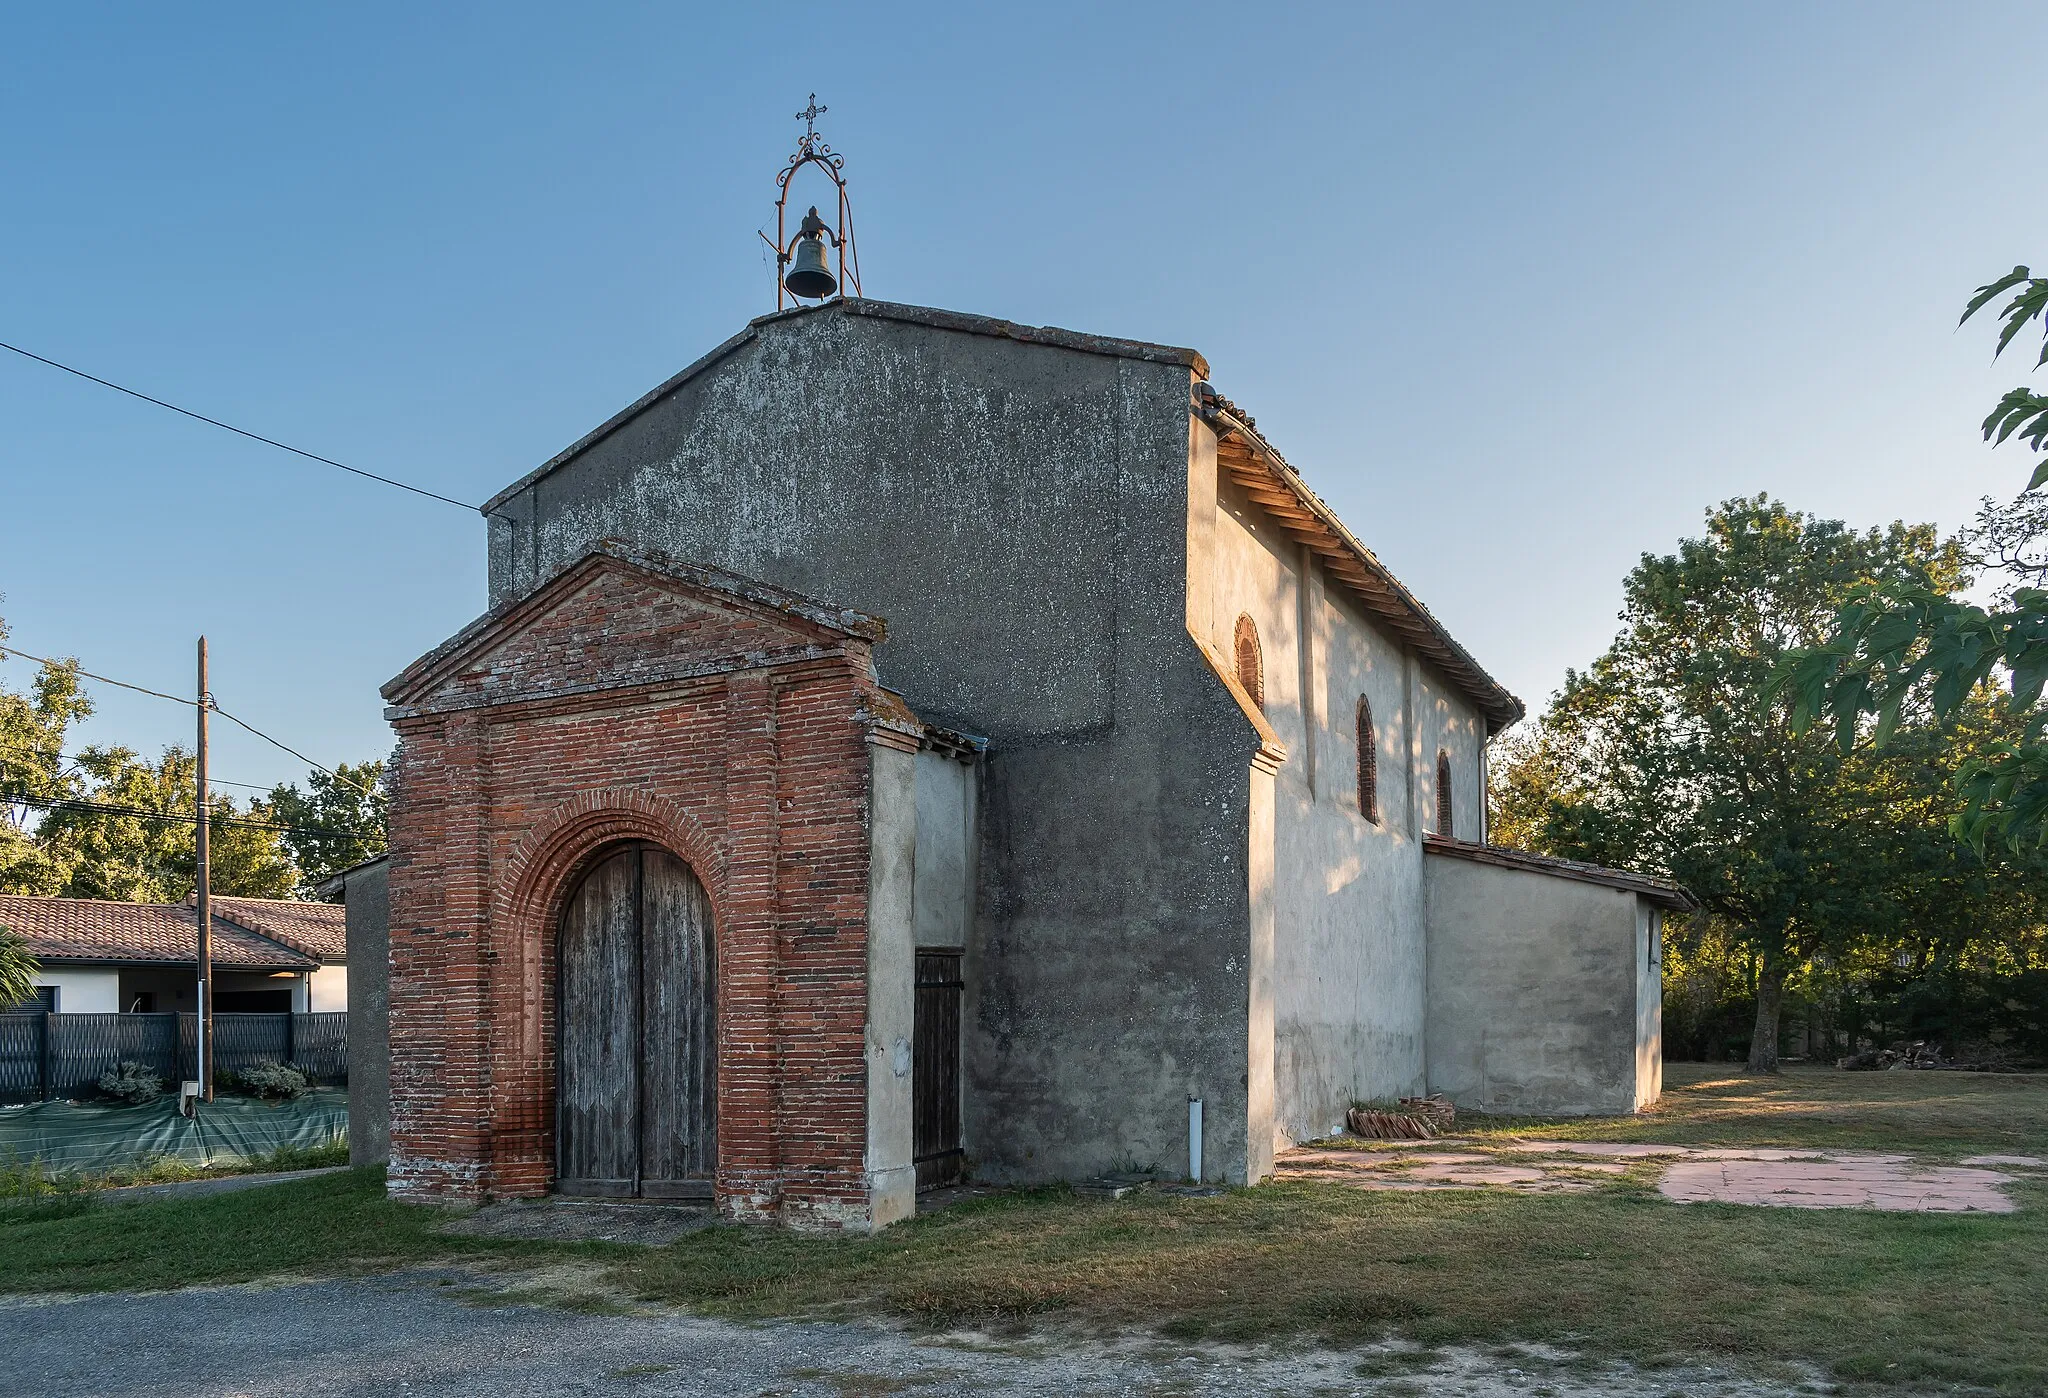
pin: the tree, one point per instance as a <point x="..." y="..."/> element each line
<point x="340" y="822"/>
<point x="153" y="857"/>
<point x="1676" y="752"/>
<point x="1895" y="641"/>
<point x="33" y="729"/>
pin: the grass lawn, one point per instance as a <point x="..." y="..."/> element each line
<point x="1617" y="1273"/>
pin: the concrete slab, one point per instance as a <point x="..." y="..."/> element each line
<point x="1830" y="1185"/>
<point x="650" y="1225"/>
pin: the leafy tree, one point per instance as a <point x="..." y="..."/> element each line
<point x="1676" y="752"/>
<point x="143" y="859"/>
<point x="33" y="728"/>
<point x="341" y="821"/>
<point x="1896" y="642"/>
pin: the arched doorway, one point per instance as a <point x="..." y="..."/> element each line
<point x="636" y="1093"/>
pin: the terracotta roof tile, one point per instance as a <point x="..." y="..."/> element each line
<point x="317" y="929"/>
<point x="88" y="929"/>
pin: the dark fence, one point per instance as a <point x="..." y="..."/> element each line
<point x="60" y="1056"/>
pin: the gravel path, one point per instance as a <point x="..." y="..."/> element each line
<point x="455" y="1333"/>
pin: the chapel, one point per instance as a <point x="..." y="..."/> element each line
<point x="908" y="746"/>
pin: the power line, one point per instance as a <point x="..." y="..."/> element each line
<point x="238" y="431"/>
<point x="293" y="751"/>
<point x="118" y="684"/>
<point x="191" y="703"/>
<point x="65" y="803"/>
<point x="78" y="757"/>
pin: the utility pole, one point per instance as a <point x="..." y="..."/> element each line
<point x="204" y="898"/>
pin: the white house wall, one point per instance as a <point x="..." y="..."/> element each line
<point x="327" y="989"/>
<point x="1350" y="960"/>
<point x="83" y="991"/>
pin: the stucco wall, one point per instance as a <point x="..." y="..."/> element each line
<point x="327" y="989"/>
<point x="1017" y="513"/>
<point x="1349" y="947"/>
<point x="893" y="818"/>
<point x="367" y="898"/>
<point x="1535" y="986"/>
<point x="83" y="990"/>
<point x="946" y="849"/>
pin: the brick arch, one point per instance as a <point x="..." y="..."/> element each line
<point x="541" y="870"/>
<point x="546" y="859"/>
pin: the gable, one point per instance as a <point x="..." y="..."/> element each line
<point x="619" y="617"/>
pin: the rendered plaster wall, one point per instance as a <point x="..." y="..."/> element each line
<point x="366" y="895"/>
<point x="82" y="991"/>
<point x="327" y="989"/>
<point x="1534" y="987"/>
<point x="1017" y="514"/>
<point x="1350" y="948"/>
<point x="892" y="963"/>
<point x="1649" y="1003"/>
<point x="946" y="850"/>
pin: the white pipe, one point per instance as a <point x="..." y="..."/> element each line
<point x="1195" y="1139"/>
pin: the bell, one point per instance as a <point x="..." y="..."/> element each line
<point x="809" y="276"/>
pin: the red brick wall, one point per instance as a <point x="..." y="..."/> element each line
<point x="621" y="706"/>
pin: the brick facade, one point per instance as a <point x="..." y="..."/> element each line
<point x="633" y="698"/>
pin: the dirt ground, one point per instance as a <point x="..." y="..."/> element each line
<point x="508" y="1335"/>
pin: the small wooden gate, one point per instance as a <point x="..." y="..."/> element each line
<point x="935" y="1070"/>
<point x="636" y="1014"/>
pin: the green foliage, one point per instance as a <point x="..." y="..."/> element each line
<point x="1708" y="999"/>
<point x="32" y="763"/>
<point x="1676" y="752"/>
<point x="134" y="1083"/>
<point x="137" y="859"/>
<point x="349" y="809"/>
<point x="1894" y="644"/>
<point x="271" y="1082"/>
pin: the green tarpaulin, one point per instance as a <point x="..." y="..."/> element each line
<point x="68" y="1137"/>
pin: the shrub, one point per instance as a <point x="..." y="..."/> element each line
<point x="273" y="1082"/>
<point x="132" y="1082"/>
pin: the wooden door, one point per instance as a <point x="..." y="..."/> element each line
<point x="636" y="1099"/>
<point x="935" y="1070"/>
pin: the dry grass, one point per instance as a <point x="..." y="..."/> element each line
<point x="1938" y="1115"/>
<point x="1617" y="1273"/>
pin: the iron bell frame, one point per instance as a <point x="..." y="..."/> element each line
<point x="811" y="149"/>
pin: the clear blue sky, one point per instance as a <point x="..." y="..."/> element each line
<point x="1521" y="289"/>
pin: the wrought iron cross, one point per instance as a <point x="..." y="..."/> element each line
<point x="810" y="117"/>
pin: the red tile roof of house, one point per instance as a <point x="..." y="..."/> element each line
<point x="317" y="929"/>
<point x="89" y="929"/>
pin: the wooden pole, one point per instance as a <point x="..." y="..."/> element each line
<point x="204" y="897"/>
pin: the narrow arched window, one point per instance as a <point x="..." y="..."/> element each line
<point x="1443" y="794"/>
<point x="1251" y="668"/>
<point x="1368" y="763"/>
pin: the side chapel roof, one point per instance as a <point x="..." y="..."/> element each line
<point x="1665" y="893"/>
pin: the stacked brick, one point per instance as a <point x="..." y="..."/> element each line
<point x="633" y="698"/>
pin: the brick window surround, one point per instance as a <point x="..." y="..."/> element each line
<point x="1251" y="665"/>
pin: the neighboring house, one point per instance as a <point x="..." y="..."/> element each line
<point x="1119" y="809"/>
<point x="269" y="955"/>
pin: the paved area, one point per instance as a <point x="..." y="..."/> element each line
<point x="1802" y="1179"/>
<point x="467" y="1336"/>
<point x="655" y="1225"/>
